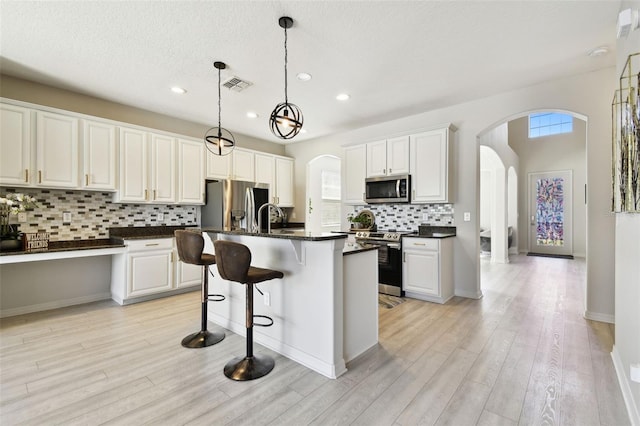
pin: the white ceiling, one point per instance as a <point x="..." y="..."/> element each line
<point x="395" y="58"/>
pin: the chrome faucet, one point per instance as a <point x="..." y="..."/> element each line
<point x="267" y="205"/>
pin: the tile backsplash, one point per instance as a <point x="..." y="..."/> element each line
<point x="407" y="217"/>
<point x="92" y="213"/>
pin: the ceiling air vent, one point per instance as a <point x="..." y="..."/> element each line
<point x="236" y="84"/>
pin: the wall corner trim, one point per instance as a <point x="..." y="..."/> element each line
<point x="632" y="410"/>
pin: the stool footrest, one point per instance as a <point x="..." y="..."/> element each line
<point x="269" y="324"/>
<point x="215" y="297"/>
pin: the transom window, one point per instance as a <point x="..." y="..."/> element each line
<point x="549" y="123"/>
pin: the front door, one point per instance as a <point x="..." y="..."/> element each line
<point x="550" y="202"/>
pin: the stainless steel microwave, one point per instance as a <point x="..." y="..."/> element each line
<point x="388" y="189"/>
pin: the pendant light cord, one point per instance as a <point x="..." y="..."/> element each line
<point x="286" y="98"/>
<point x="219" y="107"/>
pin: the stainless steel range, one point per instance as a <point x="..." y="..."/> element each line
<point x="389" y="258"/>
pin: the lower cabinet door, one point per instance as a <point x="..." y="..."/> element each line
<point x="188" y="275"/>
<point x="420" y="272"/>
<point x="150" y="272"/>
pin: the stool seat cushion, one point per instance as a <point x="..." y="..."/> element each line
<point x="234" y="264"/>
<point x="258" y="275"/>
<point x="190" y="245"/>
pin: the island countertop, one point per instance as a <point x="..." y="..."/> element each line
<point x="284" y="233"/>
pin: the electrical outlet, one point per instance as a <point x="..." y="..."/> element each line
<point x="267" y="298"/>
<point x="160" y="217"/>
<point x="293" y="215"/>
<point x="425" y="216"/>
<point x="66" y="217"/>
<point x="22" y="217"/>
<point x="467" y="216"/>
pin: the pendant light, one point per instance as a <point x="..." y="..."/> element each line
<point x="219" y="141"/>
<point x="286" y="119"/>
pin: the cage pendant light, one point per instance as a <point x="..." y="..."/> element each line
<point x="286" y="119"/>
<point x="219" y="141"/>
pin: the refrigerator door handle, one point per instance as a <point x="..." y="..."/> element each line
<point x="250" y="212"/>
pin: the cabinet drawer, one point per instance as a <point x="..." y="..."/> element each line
<point x="421" y="243"/>
<point x="151" y="244"/>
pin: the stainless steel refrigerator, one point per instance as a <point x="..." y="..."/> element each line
<point x="233" y="205"/>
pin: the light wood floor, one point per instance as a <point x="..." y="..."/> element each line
<point x="521" y="355"/>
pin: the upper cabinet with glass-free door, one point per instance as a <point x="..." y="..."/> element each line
<point x="431" y="166"/>
<point x="15" y="145"/>
<point x="388" y="157"/>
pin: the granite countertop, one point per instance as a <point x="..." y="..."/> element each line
<point x="145" y="232"/>
<point x="60" y="246"/>
<point x="426" y="231"/>
<point x="285" y="234"/>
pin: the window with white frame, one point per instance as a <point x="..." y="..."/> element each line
<point x="330" y="198"/>
<point x="549" y="123"/>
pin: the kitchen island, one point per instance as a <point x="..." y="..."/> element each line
<point x="325" y="309"/>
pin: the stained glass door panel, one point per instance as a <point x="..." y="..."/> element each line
<point x="550" y="212"/>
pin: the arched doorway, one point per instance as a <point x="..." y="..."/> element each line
<point x="323" y="199"/>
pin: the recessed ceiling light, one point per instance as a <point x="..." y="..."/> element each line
<point x="252" y="114"/>
<point x="599" y="51"/>
<point x="303" y="76"/>
<point x="343" y="97"/>
<point x="179" y="90"/>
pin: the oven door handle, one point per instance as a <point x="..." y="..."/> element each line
<point x="394" y="246"/>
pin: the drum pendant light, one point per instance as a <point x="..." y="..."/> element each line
<point x="286" y="119"/>
<point x="219" y="141"/>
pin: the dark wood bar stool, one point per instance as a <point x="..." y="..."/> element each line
<point x="234" y="264"/>
<point x="190" y="246"/>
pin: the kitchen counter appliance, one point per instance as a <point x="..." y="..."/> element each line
<point x="388" y="189"/>
<point x="389" y="259"/>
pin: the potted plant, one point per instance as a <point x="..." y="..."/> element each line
<point x="359" y="221"/>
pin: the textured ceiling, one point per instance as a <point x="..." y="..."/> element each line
<point x="395" y="58"/>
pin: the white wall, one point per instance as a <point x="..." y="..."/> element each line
<point x="552" y="153"/>
<point x="587" y="94"/>
<point x="626" y="350"/>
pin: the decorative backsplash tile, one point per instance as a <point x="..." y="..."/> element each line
<point x="407" y="217"/>
<point x="93" y="213"/>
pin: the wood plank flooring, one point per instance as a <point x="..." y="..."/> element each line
<point x="522" y="354"/>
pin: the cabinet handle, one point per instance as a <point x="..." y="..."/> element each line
<point x="26" y="175"/>
<point x="86" y="180"/>
<point x="154" y="195"/>
<point x="172" y="258"/>
<point x="384" y="171"/>
<point x="146" y="195"/>
<point x="404" y="257"/>
<point x="152" y="244"/>
<point x="419" y="244"/>
<point x="39" y="176"/>
<point x="390" y="171"/>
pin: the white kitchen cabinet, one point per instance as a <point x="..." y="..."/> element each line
<point x="427" y="268"/>
<point x="190" y="180"/>
<point x="56" y="150"/>
<point x="265" y="172"/>
<point x="163" y="169"/>
<point x="243" y="164"/>
<point x="284" y="181"/>
<point x="15" y="145"/>
<point x="219" y="166"/>
<point x="100" y="156"/>
<point x="431" y="167"/>
<point x="388" y="157"/>
<point x="151" y="268"/>
<point x="147" y="167"/>
<point x="187" y="274"/>
<point x="355" y="172"/>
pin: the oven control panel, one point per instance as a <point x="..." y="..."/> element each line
<point x="386" y="236"/>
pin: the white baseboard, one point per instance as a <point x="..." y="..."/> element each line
<point x="468" y="294"/>
<point x="596" y="316"/>
<point x="54" y="305"/>
<point x="632" y="409"/>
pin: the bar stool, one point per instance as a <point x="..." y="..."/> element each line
<point x="190" y="245"/>
<point x="234" y="264"/>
